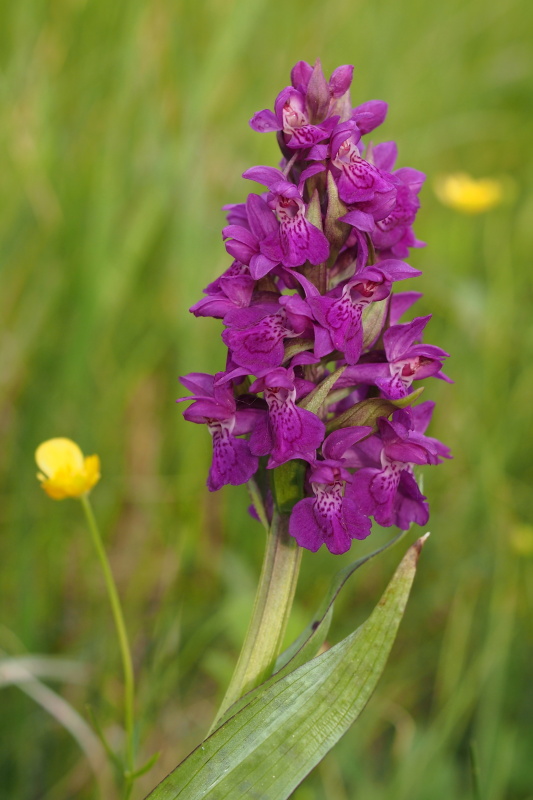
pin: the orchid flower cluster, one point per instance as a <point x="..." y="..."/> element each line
<point x="314" y="333"/>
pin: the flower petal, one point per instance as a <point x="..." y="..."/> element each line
<point x="56" y="454"/>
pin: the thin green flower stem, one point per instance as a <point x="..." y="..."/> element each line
<point x="474" y="768"/>
<point x="125" y="652"/>
<point x="272" y="606"/>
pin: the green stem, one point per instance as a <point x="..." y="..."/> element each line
<point x="474" y="767"/>
<point x="124" y="646"/>
<point x="272" y="606"/>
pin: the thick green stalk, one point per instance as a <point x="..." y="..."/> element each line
<point x="123" y="642"/>
<point x="272" y="606"/>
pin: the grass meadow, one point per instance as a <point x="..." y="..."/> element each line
<point x="123" y="130"/>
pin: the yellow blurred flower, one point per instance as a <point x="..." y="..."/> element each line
<point x="522" y="540"/>
<point x="469" y="195"/>
<point x="65" y="472"/>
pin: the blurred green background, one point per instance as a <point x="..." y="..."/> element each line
<point x="124" y="129"/>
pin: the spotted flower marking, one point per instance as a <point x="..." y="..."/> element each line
<point x="330" y="517"/>
<point x="403" y="373"/>
<point x="260" y="345"/>
<point x="214" y="405"/>
<point x="288" y="431"/>
<point x="297" y="240"/>
<point x="232" y="461"/>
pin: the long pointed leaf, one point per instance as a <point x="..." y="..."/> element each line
<point x="309" y="642"/>
<point x="267" y="749"/>
<point x="315" y="633"/>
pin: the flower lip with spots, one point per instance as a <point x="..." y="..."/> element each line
<point x="296" y="240"/>
<point x="287" y="431"/>
<point x="388" y="491"/>
<point x="215" y="406"/>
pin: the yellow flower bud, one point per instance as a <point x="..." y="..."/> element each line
<point x="468" y="195"/>
<point x="64" y="471"/>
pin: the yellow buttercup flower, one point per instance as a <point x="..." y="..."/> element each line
<point x="469" y="195"/>
<point x="65" y="472"/>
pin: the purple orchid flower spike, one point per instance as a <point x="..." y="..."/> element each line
<point x="332" y="517"/>
<point x="341" y="311"/>
<point x="288" y="431"/>
<point x="389" y="491"/>
<point x="297" y="240"/>
<point x="311" y="290"/>
<point x="215" y="406"/>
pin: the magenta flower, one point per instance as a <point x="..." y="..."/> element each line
<point x="369" y="115"/>
<point x="296" y="240"/>
<point x="233" y="289"/>
<point x="245" y="242"/>
<point x="306" y="111"/>
<point x="287" y="431"/>
<point x="403" y="361"/>
<point x="215" y="406"/>
<point x="358" y="180"/>
<point x="332" y="517"/>
<point x="341" y="312"/>
<point x="256" y="334"/>
<point x="394" y="235"/>
<point x="312" y="322"/>
<point x="389" y="492"/>
<point x="291" y="116"/>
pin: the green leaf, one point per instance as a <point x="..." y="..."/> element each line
<point x="313" y="636"/>
<point x="257" y="500"/>
<point x="315" y="399"/>
<point x="309" y="642"/>
<point x="313" y="213"/>
<point x="288" y="484"/>
<point x="146" y="767"/>
<point x="296" y="346"/>
<point x="373" y="320"/>
<point x="269" y="747"/>
<point x="336" y="231"/>
<point x="367" y="412"/>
